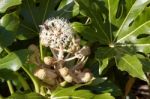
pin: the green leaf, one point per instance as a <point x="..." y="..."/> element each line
<point x="8" y="26"/>
<point x="34" y="12"/>
<point x="10" y="21"/>
<point x="73" y="93"/>
<point x="13" y="60"/>
<point x="145" y="63"/>
<point x="7" y="74"/>
<point x="105" y="52"/>
<point x="75" y="10"/>
<point x="98" y="81"/>
<point x="93" y="10"/>
<point x="103" y="65"/>
<point x="31" y="95"/>
<point x="126" y="20"/>
<point x="5" y="4"/>
<point x="64" y="92"/>
<point x="66" y="11"/>
<point x="119" y="25"/>
<point x="86" y="31"/>
<point x="1" y="49"/>
<point x="6" y="37"/>
<point x="143" y="44"/>
<point x="104" y="96"/>
<point x="82" y="94"/>
<point x="132" y="65"/>
<point x="63" y="3"/>
<point x="135" y="22"/>
<point x="107" y="87"/>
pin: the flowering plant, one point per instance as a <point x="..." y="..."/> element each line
<point x="86" y="49"/>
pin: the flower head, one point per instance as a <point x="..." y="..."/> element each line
<point x="55" y="33"/>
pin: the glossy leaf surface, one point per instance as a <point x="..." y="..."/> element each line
<point x="5" y="4"/>
<point x="14" y="60"/>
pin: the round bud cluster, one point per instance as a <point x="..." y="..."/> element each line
<point x="55" y="33"/>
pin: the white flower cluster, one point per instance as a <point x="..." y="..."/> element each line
<point x="58" y="35"/>
<point x="55" y="33"/>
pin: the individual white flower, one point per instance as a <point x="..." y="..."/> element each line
<point x="55" y="33"/>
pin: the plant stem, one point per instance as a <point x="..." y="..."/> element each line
<point x="23" y="81"/>
<point x="41" y="52"/>
<point x="42" y="90"/>
<point x="34" y="80"/>
<point x="10" y="87"/>
<point x="128" y="86"/>
<point x="7" y="50"/>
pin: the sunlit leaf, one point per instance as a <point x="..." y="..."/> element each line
<point x="13" y="60"/>
<point x="26" y="96"/>
<point x="61" y="92"/>
<point x="132" y="65"/>
<point x="10" y="21"/>
<point x="63" y="3"/>
<point x="103" y="65"/>
<point x="85" y="94"/>
<point x="75" y="10"/>
<point x="71" y="92"/>
<point x="104" y="96"/>
<point x="5" y="4"/>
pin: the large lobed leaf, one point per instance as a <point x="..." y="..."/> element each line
<point x="93" y="10"/>
<point x="123" y="26"/>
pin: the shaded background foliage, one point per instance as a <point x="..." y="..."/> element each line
<point x="116" y="30"/>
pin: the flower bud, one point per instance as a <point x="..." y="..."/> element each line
<point x="46" y="75"/>
<point x="48" y="60"/>
<point x="85" y="77"/>
<point x="63" y="71"/>
<point x="68" y="78"/>
<point x="33" y="48"/>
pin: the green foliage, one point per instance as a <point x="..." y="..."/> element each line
<point x="13" y="60"/>
<point x="26" y="96"/>
<point x="72" y="93"/>
<point x="5" y="4"/>
<point x="118" y="32"/>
